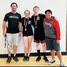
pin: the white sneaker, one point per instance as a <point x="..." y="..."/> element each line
<point x="61" y="64"/>
<point x="51" y="62"/>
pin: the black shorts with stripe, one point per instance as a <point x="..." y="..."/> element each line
<point x="39" y="37"/>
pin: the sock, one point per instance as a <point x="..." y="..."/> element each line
<point x="38" y="51"/>
<point x="44" y="54"/>
<point x="25" y="56"/>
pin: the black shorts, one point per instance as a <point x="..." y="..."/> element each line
<point x="28" y="33"/>
<point x="39" y="37"/>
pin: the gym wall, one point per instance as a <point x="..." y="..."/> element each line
<point x="59" y="11"/>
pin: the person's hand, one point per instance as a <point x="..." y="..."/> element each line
<point x="58" y="41"/>
<point x="4" y="33"/>
<point x="20" y="33"/>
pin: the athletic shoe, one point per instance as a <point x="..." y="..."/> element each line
<point x="61" y="64"/>
<point x="46" y="59"/>
<point x="51" y="62"/>
<point x="8" y="60"/>
<point x="27" y="59"/>
<point x="24" y="58"/>
<point x="15" y="59"/>
<point x="38" y="59"/>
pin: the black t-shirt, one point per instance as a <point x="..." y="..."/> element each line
<point x="28" y="26"/>
<point x="13" y="22"/>
<point x="39" y="23"/>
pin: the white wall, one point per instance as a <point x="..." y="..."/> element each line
<point x="59" y="11"/>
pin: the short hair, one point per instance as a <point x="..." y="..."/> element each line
<point x="35" y="7"/>
<point x="48" y="11"/>
<point x="14" y="3"/>
<point x="26" y="10"/>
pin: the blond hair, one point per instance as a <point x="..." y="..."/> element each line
<point x="26" y="11"/>
<point x="35" y="7"/>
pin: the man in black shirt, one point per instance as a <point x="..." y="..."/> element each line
<point x="13" y="18"/>
<point x="39" y="35"/>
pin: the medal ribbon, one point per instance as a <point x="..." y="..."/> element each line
<point x="25" y="23"/>
<point x="35" y="20"/>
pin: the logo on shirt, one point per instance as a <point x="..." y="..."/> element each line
<point x="14" y="17"/>
<point x="29" y="22"/>
<point x="38" y="18"/>
<point x="48" y="24"/>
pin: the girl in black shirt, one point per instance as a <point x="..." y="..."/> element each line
<point x="27" y="34"/>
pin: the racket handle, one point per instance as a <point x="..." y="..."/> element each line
<point x="5" y="41"/>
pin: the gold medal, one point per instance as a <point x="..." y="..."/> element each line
<point x="25" y="29"/>
<point x="35" y="26"/>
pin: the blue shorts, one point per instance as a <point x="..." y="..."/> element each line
<point x="51" y="44"/>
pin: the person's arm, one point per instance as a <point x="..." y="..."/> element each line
<point x="4" y="28"/>
<point x="20" y="27"/>
<point x="57" y="28"/>
<point x="32" y="21"/>
<point x="43" y="16"/>
<point x="4" y="24"/>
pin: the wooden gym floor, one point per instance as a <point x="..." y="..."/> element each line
<point x="32" y="62"/>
